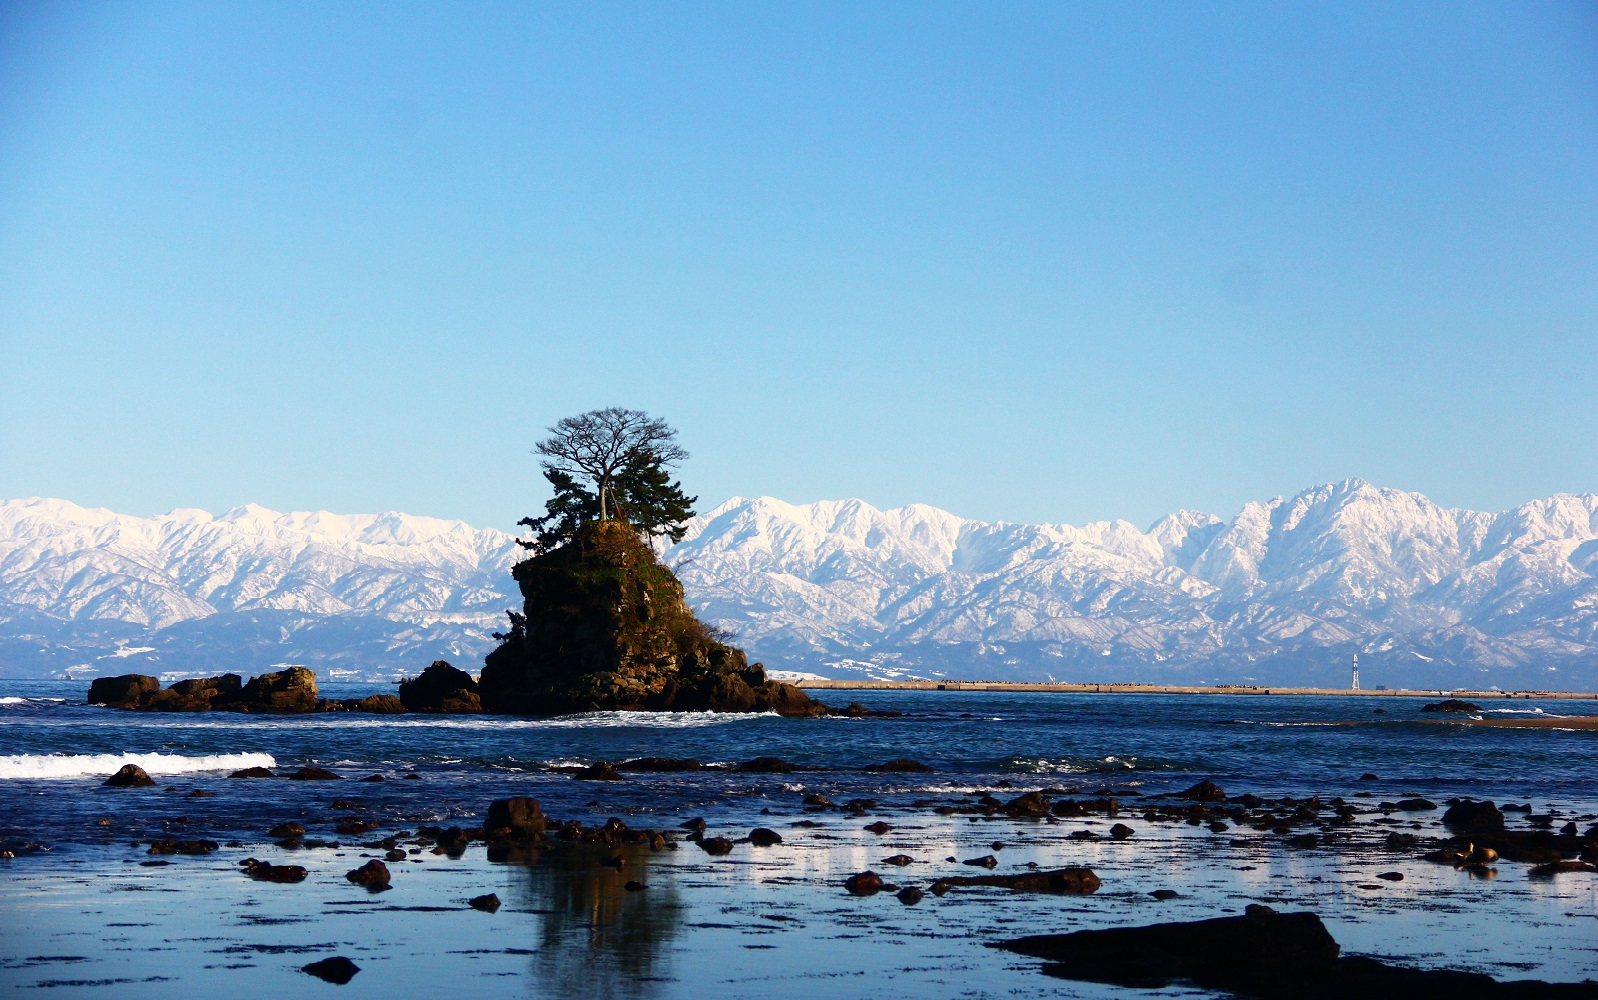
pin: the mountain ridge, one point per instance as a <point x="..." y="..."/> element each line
<point x="1284" y="591"/>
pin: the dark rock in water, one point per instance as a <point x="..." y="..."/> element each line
<point x="864" y="884"/>
<point x="762" y="837"/>
<point x="1121" y="831"/>
<point x="899" y="860"/>
<point x="902" y="765"/>
<point x="126" y="691"/>
<point x="1204" y="791"/>
<point x="879" y="828"/>
<point x="373" y="778"/>
<point x="265" y="871"/>
<point x="695" y="825"/>
<point x="768" y="765"/>
<point x="598" y="771"/>
<point x="1264" y="954"/>
<point x="910" y="895"/>
<point x="514" y="819"/>
<point x="189" y="847"/>
<point x="291" y="830"/>
<point x="488" y="903"/>
<point x="986" y="861"/>
<point x="290" y="691"/>
<point x="818" y="800"/>
<point x="314" y="774"/>
<point x="604" y="627"/>
<point x="130" y="776"/>
<point x="374" y="875"/>
<point x="1415" y="805"/>
<point x="634" y="886"/>
<point x="715" y="846"/>
<point x="1467" y="816"/>
<point x="337" y="970"/>
<point x="1060" y="881"/>
<point x="395" y="855"/>
<point x="441" y="688"/>
<point x="1164" y="894"/>
<point x="375" y="704"/>
<point x="253" y="772"/>
<point x="1451" y="705"/>
<point x="1368" y="776"/>
<point x="1391" y="876"/>
<point x="200" y="694"/>
<point x="660" y="764"/>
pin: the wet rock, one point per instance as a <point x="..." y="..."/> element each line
<point x="338" y="970"/>
<point x="1121" y="831"/>
<point x="762" y="837"/>
<point x="1468" y="816"/>
<point x="126" y="691"/>
<point x="373" y="778"/>
<point x="899" y="860"/>
<point x="879" y="828"/>
<point x="265" y="871"/>
<point x="695" y="825"/>
<point x="660" y="764"/>
<point x="1204" y="791"/>
<point x="986" y="861"/>
<point x="1030" y="804"/>
<point x="1060" y="881"/>
<point x="1400" y="841"/>
<point x="1164" y="894"/>
<point x="635" y="886"/>
<point x="1391" y="876"/>
<point x="901" y="765"/>
<point x="715" y="846"/>
<point x="253" y="772"/>
<point x="129" y="776"/>
<point x="291" y="830"/>
<point x="910" y="895"/>
<point x="519" y="818"/>
<point x="1415" y="805"/>
<point x="767" y="765"/>
<point x="315" y="774"/>
<point x="375" y="704"/>
<point x="488" y="902"/>
<point x="818" y="800"/>
<point x="374" y="875"/>
<point x="865" y="883"/>
<point x="189" y="847"/>
<point x="1451" y="705"/>
<point x="443" y="689"/>
<point x="598" y="771"/>
<point x="1367" y="776"/>
<point x="395" y="855"/>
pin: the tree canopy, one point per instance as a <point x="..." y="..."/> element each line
<point x="611" y="464"/>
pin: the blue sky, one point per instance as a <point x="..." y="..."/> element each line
<point x="1044" y="262"/>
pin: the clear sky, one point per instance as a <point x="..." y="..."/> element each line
<point x="1042" y="262"/>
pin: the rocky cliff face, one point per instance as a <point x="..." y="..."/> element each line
<point x="604" y="627"/>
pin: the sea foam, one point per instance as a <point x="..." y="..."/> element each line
<point x="31" y="765"/>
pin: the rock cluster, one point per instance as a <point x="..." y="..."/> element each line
<point x="284" y="692"/>
<point x="604" y="627"/>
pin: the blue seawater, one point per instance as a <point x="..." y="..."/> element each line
<point x="55" y="751"/>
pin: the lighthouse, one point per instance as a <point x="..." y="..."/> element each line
<point x="1355" y="685"/>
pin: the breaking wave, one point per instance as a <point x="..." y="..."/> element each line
<point x="30" y="765"/>
<point x="11" y="700"/>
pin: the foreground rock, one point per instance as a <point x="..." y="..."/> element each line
<point x="130" y="776"/>
<point x="604" y="627"/>
<point x="1061" y="881"/>
<point x="1260" y="954"/>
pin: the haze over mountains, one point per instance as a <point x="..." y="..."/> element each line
<point x="1283" y="592"/>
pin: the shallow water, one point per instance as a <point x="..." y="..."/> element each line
<point x="759" y="922"/>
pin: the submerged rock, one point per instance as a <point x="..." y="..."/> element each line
<point x="1074" y="881"/>
<point x="338" y="970"/>
<point x="604" y="627"/>
<point x="1451" y="705"/>
<point x="130" y="776"/>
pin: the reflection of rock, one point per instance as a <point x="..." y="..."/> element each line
<point x="598" y="939"/>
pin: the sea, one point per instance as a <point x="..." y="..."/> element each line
<point x="89" y="912"/>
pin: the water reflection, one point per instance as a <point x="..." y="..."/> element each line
<point x="596" y="937"/>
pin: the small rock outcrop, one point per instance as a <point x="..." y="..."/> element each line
<point x="130" y="776"/>
<point x="1451" y="705"/>
<point x="337" y="970"/>
<point x="604" y="627"/>
<point x="284" y="692"/>
<point x="441" y="688"/>
<point x="125" y="691"/>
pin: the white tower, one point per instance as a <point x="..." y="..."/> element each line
<point x="1355" y="686"/>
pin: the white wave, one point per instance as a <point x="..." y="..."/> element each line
<point x="8" y="700"/>
<point x="31" y="765"/>
<point x="1523" y="711"/>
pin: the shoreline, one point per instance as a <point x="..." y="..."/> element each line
<point x="1022" y="687"/>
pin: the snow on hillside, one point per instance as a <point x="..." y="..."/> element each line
<point x="1285" y="590"/>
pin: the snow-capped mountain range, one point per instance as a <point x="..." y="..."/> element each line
<point x="1284" y="592"/>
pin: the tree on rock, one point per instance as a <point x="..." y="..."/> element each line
<point x="610" y="464"/>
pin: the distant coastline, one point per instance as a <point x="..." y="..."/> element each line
<point x="1249" y="689"/>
